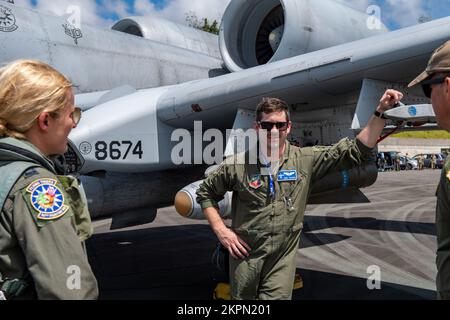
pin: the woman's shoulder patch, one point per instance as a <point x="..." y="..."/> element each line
<point x="46" y="200"/>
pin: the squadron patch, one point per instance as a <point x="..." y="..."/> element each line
<point x="47" y="199"/>
<point x="255" y="181"/>
<point x="287" y="175"/>
<point x="7" y="20"/>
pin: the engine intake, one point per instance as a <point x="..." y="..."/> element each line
<point x="256" y="32"/>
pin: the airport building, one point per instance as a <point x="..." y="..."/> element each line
<point x="414" y="146"/>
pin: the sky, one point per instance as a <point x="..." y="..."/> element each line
<point x="103" y="13"/>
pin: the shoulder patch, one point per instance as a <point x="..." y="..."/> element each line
<point x="30" y="172"/>
<point x="255" y="181"/>
<point x="46" y="199"/>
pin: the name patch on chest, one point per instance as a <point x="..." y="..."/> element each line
<point x="287" y="175"/>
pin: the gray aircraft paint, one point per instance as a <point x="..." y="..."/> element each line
<point x="97" y="60"/>
<point x="322" y="87"/>
<point x="315" y="78"/>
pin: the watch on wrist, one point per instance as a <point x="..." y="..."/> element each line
<point x="379" y="115"/>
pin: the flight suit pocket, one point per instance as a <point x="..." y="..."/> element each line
<point x="244" y="276"/>
<point x="291" y="187"/>
<point x="251" y="198"/>
<point x="78" y="203"/>
<point x="252" y="190"/>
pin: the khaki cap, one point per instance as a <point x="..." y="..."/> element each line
<point x="439" y="62"/>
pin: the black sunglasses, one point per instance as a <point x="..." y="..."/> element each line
<point x="426" y="85"/>
<point x="281" y="126"/>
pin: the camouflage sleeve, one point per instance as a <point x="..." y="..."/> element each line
<point x="48" y="238"/>
<point x="443" y="232"/>
<point x="213" y="188"/>
<point x="343" y="155"/>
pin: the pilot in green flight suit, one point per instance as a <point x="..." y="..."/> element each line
<point x="443" y="233"/>
<point x="268" y="207"/>
<point x="44" y="217"/>
<point x="435" y="81"/>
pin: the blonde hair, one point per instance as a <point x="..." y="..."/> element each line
<point x="28" y="88"/>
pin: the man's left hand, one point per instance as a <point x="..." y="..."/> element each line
<point x="389" y="99"/>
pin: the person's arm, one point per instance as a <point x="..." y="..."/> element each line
<point x="210" y="192"/>
<point x="227" y="237"/>
<point x="370" y="134"/>
<point x="349" y="153"/>
<point x="54" y="254"/>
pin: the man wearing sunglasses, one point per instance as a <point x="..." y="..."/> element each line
<point x="270" y="196"/>
<point x="435" y="82"/>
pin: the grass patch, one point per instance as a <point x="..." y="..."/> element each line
<point x="435" y="134"/>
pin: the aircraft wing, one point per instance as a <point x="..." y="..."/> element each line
<point x="309" y="82"/>
<point x="132" y="137"/>
<point x="314" y="80"/>
<point x="305" y="52"/>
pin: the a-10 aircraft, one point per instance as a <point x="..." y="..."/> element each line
<point x="148" y="77"/>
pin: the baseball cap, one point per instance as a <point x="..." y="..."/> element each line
<point x="439" y="62"/>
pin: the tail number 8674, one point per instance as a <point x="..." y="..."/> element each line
<point x="118" y="150"/>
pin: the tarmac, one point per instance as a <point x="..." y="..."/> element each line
<point x="344" y="247"/>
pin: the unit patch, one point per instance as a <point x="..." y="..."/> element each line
<point x="7" y="20"/>
<point x="255" y="181"/>
<point x="287" y="175"/>
<point x="47" y="199"/>
<point x="412" y="110"/>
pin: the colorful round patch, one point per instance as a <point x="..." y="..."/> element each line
<point x="255" y="181"/>
<point x="412" y="110"/>
<point x="47" y="199"/>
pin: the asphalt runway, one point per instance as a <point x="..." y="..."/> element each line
<point x="170" y="259"/>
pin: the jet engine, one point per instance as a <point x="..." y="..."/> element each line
<point x="256" y="32"/>
<point x="340" y="186"/>
<point x="171" y="33"/>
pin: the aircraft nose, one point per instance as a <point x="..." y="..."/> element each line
<point x="183" y="204"/>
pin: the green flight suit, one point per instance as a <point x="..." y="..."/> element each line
<point x="443" y="233"/>
<point x="44" y="249"/>
<point x="271" y="225"/>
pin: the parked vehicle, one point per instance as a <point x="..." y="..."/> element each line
<point x="407" y="163"/>
<point x="385" y="160"/>
<point x="440" y="159"/>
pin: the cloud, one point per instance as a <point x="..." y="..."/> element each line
<point x="360" y="5"/>
<point x="404" y="13"/>
<point x="103" y="13"/>
<point x="144" y="7"/>
<point x="87" y="9"/>
<point x="176" y="10"/>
